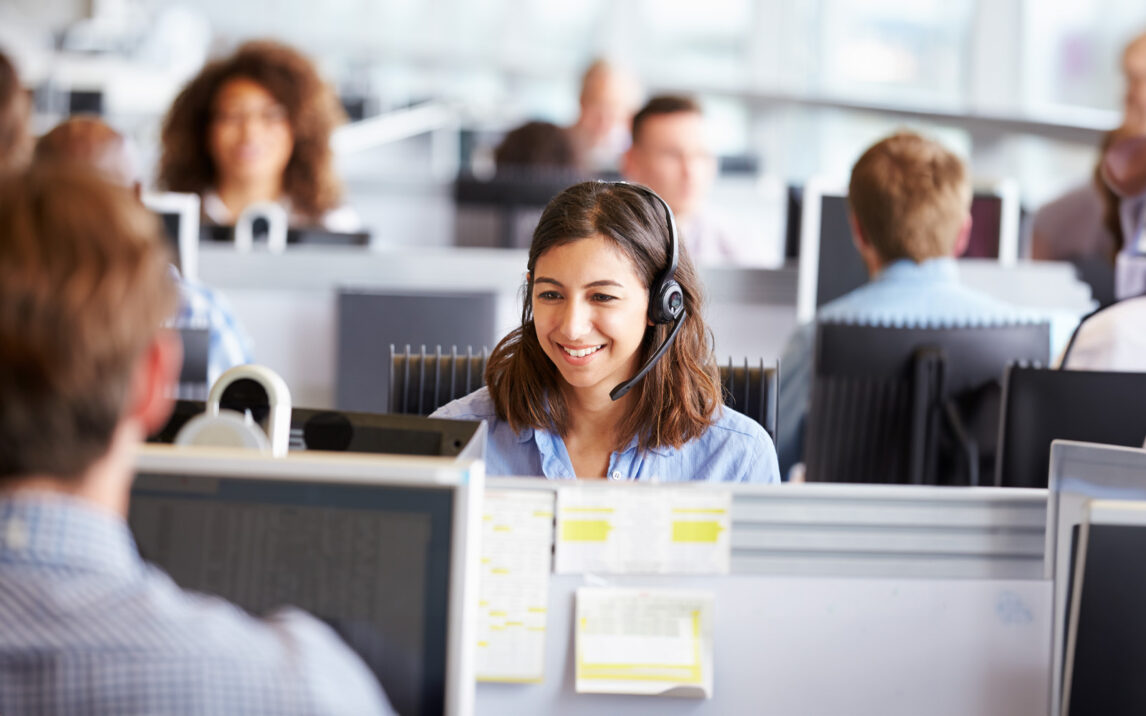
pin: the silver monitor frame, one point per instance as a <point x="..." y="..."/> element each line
<point x="1079" y="472"/>
<point x="464" y="478"/>
<point x="187" y="206"/>
<point x="818" y="187"/>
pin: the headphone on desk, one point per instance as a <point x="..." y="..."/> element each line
<point x="666" y="297"/>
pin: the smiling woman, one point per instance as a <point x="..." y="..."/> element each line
<point x="558" y="399"/>
<point x="255" y="127"/>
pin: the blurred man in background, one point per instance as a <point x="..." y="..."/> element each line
<point x="609" y="96"/>
<point x="671" y="155"/>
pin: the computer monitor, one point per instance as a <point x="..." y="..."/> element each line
<point x="1106" y="633"/>
<point x="1041" y="405"/>
<point x="347" y="431"/>
<point x="830" y="265"/>
<point x="312" y="236"/>
<point x="180" y="216"/>
<point x="906" y="404"/>
<point x="369" y="321"/>
<point x="384" y="549"/>
<point x="1080" y="472"/>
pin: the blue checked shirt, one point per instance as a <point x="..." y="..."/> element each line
<point x="202" y="307"/>
<point x="733" y="449"/>
<point x="86" y="627"/>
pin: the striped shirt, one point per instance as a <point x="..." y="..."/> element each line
<point x="87" y="627"/>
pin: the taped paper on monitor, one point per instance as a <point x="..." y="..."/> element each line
<point x="650" y="642"/>
<point x="517" y="541"/>
<point x="614" y="529"/>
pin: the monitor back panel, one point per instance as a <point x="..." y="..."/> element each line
<point x="1044" y="405"/>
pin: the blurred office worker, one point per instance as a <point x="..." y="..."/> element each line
<point x="536" y="147"/>
<point x="255" y="127"/>
<point x="15" y="141"/>
<point x="91" y="142"/>
<point x="602" y="379"/>
<point x="909" y="201"/>
<point x="86" y="371"/>
<point x="671" y="155"/>
<point x="609" y="96"/>
<point x="1083" y="224"/>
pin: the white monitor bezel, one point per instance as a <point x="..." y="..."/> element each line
<point x="465" y="478"/>
<point x="187" y="207"/>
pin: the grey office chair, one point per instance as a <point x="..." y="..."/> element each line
<point x="421" y="382"/>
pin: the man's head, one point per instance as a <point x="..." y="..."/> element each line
<point x="910" y="199"/>
<point x="84" y="288"/>
<point x="90" y="142"/>
<point x="609" y="95"/>
<point x="1134" y="70"/>
<point x="670" y="153"/>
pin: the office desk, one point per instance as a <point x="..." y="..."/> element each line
<point x="859" y="600"/>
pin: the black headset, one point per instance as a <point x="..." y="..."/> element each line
<point x="666" y="297"/>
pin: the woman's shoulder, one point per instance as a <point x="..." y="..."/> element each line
<point x="735" y="425"/>
<point x="478" y="405"/>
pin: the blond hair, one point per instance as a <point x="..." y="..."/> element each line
<point x="910" y="197"/>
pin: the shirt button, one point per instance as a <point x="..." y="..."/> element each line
<point x="616" y="474"/>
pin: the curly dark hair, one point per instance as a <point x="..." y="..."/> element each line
<point x="312" y="107"/>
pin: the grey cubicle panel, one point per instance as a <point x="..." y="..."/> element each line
<point x="856" y="599"/>
<point x="369" y="321"/>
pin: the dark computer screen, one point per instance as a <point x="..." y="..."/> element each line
<point x="371" y="560"/>
<point x="1109" y="655"/>
<point x="840" y="268"/>
<point x="170" y="221"/>
<point x="1042" y="405"/>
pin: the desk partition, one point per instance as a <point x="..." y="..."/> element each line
<point x="844" y="599"/>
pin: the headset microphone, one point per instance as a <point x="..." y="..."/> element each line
<point x="666" y="298"/>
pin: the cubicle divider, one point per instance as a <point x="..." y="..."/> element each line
<point x="857" y="599"/>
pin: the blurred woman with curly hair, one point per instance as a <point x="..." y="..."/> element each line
<point x="255" y="127"/>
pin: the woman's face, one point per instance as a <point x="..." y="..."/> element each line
<point x="250" y="138"/>
<point x="590" y="310"/>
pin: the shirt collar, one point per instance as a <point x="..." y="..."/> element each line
<point x="942" y="268"/>
<point x="63" y="531"/>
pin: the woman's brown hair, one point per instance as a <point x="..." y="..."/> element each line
<point x="676" y="401"/>
<point x="313" y="110"/>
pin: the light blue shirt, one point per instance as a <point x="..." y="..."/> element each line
<point x="86" y="627"/>
<point x="734" y="449"/>
<point x="904" y="293"/>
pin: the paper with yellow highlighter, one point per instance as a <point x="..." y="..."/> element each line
<point x="513" y="591"/>
<point x="631" y="529"/>
<point x="644" y="641"/>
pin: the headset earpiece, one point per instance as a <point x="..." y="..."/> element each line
<point x="666" y="297"/>
<point x="667" y="304"/>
